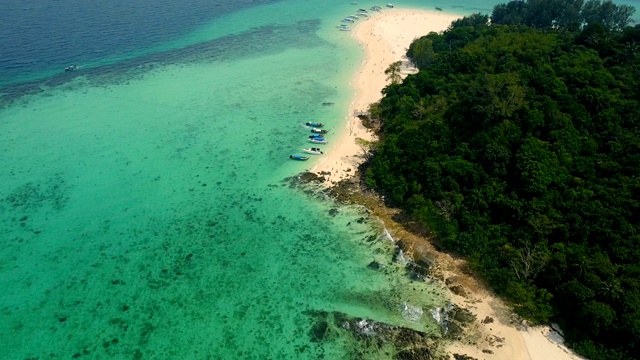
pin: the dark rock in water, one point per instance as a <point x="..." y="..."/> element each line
<point x="374" y="265"/>
<point x="307" y="177"/>
<point x="318" y="331"/>
<point x="360" y="220"/>
<point x="423" y="262"/>
<point x="397" y="252"/>
<point x="340" y="318"/>
<point x="408" y="343"/>
<point x="371" y="238"/>
<point x="327" y="103"/>
<point x="416" y="272"/>
<point x="333" y="212"/>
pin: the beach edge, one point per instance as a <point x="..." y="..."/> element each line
<point x="498" y="333"/>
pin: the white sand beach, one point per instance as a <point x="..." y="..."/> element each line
<point x="386" y="37"/>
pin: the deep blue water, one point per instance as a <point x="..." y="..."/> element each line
<point x="39" y="36"/>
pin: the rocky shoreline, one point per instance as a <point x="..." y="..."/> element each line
<point x="415" y="243"/>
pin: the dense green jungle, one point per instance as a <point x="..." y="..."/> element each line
<point x="518" y="144"/>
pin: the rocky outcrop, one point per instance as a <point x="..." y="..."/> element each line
<point x="407" y="343"/>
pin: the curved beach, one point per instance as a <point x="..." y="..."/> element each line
<point x="385" y="37"/>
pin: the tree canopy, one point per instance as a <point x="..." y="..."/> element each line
<point x="563" y="14"/>
<point x="520" y="148"/>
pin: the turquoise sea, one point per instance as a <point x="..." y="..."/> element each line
<point x="146" y="206"/>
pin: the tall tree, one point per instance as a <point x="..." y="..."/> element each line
<point x="393" y="72"/>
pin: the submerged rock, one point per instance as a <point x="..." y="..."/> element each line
<point x="318" y="331"/>
<point x="416" y="272"/>
<point x="372" y="335"/>
<point x="374" y="265"/>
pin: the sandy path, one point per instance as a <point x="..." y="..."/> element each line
<point x="386" y="37"/>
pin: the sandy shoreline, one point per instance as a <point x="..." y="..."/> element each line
<point x="385" y="37"/>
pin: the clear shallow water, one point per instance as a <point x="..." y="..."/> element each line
<point x="143" y="207"/>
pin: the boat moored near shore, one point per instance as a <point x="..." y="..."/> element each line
<point x="318" y="139"/>
<point x="314" y="151"/>
<point x="315" y="124"/>
<point x="298" y="157"/>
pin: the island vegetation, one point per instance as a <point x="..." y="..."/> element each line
<point x="518" y="144"/>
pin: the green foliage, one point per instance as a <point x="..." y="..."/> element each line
<point x="393" y="72"/>
<point x="563" y="14"/>
<point x="421" y="52"/>
<point x="521" y="150"/>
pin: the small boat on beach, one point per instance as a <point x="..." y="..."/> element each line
<point x="315" y="124"/>
<point x="298" y="157"/>
<point x="319" y="131"/>
<point x="376" y="8"/>
<point x="314" y="151"/>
